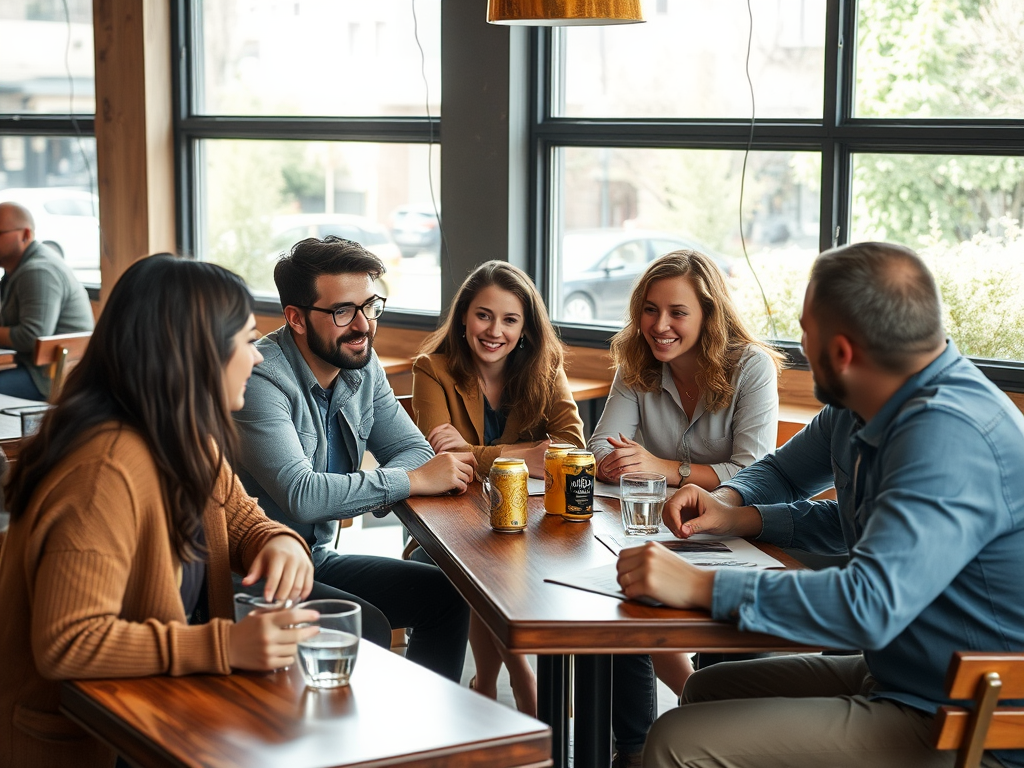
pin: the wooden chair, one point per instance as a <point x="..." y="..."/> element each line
<point x="61" y="353"/>
<point x="984" y="678"/>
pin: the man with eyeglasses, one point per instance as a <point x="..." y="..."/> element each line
<point x="316" y="403"/>
<point x="39" y="296"/>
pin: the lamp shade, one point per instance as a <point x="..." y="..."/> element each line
<point x="557" y="13"/>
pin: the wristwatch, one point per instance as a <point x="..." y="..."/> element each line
<point x="684" y="472"/>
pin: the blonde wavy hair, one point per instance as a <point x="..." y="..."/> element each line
<point x="723" y="336"/>
<point x="531" y="372"/>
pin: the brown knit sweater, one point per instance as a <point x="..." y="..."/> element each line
<point x="89" y="589"/>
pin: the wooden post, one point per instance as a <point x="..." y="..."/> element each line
<point x="134" y="133"/>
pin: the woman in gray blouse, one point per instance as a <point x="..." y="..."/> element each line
<point x="695" y="395"/>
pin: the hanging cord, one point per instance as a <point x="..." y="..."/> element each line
<point x="430" y="145"/>
<point x="743" y="178"/>
<point x="77" y="127"/>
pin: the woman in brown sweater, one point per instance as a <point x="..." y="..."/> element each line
<point x="127" y="519"/>
<point x="490" y="381"/>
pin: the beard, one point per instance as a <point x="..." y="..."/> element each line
<point x="829" y="389"/>
<point x="336" y="355"/>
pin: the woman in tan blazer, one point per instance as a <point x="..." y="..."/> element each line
<point x="490" y="381"/>
<point x="126" y="519"/>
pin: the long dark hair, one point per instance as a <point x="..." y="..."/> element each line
<point x="530" y="372"/>
<point x="155" y="364"/>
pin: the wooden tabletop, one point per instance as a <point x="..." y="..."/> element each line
<point x="393" y="713"/>
<point x="588" y="389"/>
<point x="394" y="365"/>
<point x="502" y="577"/>
<point x="7" y="358"/>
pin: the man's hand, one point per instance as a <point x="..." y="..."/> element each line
<point x="266" y="640"/>
<point x="630" y="456"/>
<point x="286" y="567"/>
<point x="445" y="437"/>
<point x="693" y="510"/>
<point x="443" y="473"/>
<point x="653" y="571"/>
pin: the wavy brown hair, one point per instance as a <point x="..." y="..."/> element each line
<point x="154" y="364"/>
<point x="723" y="336"/>
<point x="531" y="372"/>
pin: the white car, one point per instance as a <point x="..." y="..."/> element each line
<point x="66" y="219"/>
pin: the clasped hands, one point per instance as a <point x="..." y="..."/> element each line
<point x="653" y="571"/>
<point x="629" y="456"/>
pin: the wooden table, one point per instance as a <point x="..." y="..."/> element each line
<point x="10" y="426"/>
<point x="393" y="713"/>
<point x="502" y="576"/>
<point x="7" y="358"/>
<point x="395" y="365"/>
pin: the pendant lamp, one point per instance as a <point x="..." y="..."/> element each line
<point x="559" y="13"/>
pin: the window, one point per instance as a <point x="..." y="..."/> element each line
<point x="913" y="133"/>
<point x="310" y="118"/>
<point x="47" y="149"/>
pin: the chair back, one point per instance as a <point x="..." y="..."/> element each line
<point x="61" y="352"/>
<point x="985" y="679"/>
<point x="406" y="402"/>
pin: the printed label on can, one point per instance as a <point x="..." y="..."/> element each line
<point x="579" y="491"/>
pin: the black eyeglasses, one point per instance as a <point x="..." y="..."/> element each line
<point x="371" y="309"/>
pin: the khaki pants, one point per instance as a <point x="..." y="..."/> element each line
<point x="792" y="712"/>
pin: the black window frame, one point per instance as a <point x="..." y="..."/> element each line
<point x="837" y="138"/>
<point x="190" y="128"/>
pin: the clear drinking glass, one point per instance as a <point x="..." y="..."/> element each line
<point x="642" y="500"/>
<point x="328" y="657"/>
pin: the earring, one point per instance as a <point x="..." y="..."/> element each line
<point x="463" y="331"/>
<point x="522" y="342"/>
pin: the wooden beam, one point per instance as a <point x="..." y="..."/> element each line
<point x="134" y="133"/>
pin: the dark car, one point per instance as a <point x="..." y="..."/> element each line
<point x="599" y="267"/>
<point x="415" y="229"/>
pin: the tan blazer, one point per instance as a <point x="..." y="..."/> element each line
<point x="89" y="589"/>
<point x="436" y="399"/>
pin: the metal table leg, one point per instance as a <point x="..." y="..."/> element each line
<point x="553" y="704"/>
<point x="592" y="718"/>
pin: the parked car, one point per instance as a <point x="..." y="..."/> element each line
<point x="599" y="267"/>
<point x="416" y="230"/>
<point x="290" y="229"/>
<point x="66" y="219"/>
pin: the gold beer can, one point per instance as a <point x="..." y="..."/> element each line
<point x="554" y="481"/>
<point x="509" y="494"/>
<point x="579" y="470"/>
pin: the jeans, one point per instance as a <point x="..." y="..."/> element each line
<point x="634" y="701"/>
<point x="18" y="383"/>
<point x="410" y="594"/>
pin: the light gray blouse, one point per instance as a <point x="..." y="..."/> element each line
<point x="728" y="440"/>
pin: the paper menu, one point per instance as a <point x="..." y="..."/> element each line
<point x="703" y="550"/>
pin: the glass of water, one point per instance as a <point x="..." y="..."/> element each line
<point x="642" y="500"/>
<point x="328" y="657"/>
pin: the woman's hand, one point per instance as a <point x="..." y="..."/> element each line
<point x="445" y="437"/>
<point x="630" y="456"/>
<point x="286" y="566"/>
<point x="534" y="456"/>
<point x="654" y="571"/>
<point x="267" y="640"/>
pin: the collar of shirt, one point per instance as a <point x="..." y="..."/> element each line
<point x="874" y="431"/>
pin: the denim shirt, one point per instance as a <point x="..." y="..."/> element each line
<point x="930" y="508"/>
<point x="284" y="449"/>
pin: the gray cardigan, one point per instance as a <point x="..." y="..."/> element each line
<point x="42" y="297"/>
<point x="284" y="445"/>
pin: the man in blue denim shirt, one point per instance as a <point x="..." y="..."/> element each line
<point x="318" y="401"/>
<point x="927" y="458"/>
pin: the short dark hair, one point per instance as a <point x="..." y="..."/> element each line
<point x="295" y="274"/>
<point x="883" y="296"/>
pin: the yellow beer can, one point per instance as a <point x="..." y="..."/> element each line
<point x="579" y="470"/>
<point x="508" y="494"/>
<point x="554" y="481"/>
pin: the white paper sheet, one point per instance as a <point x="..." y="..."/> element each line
<point x="702" y="550"/>
<point x="602" y="580"/>
<point x="535" y="486"/>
